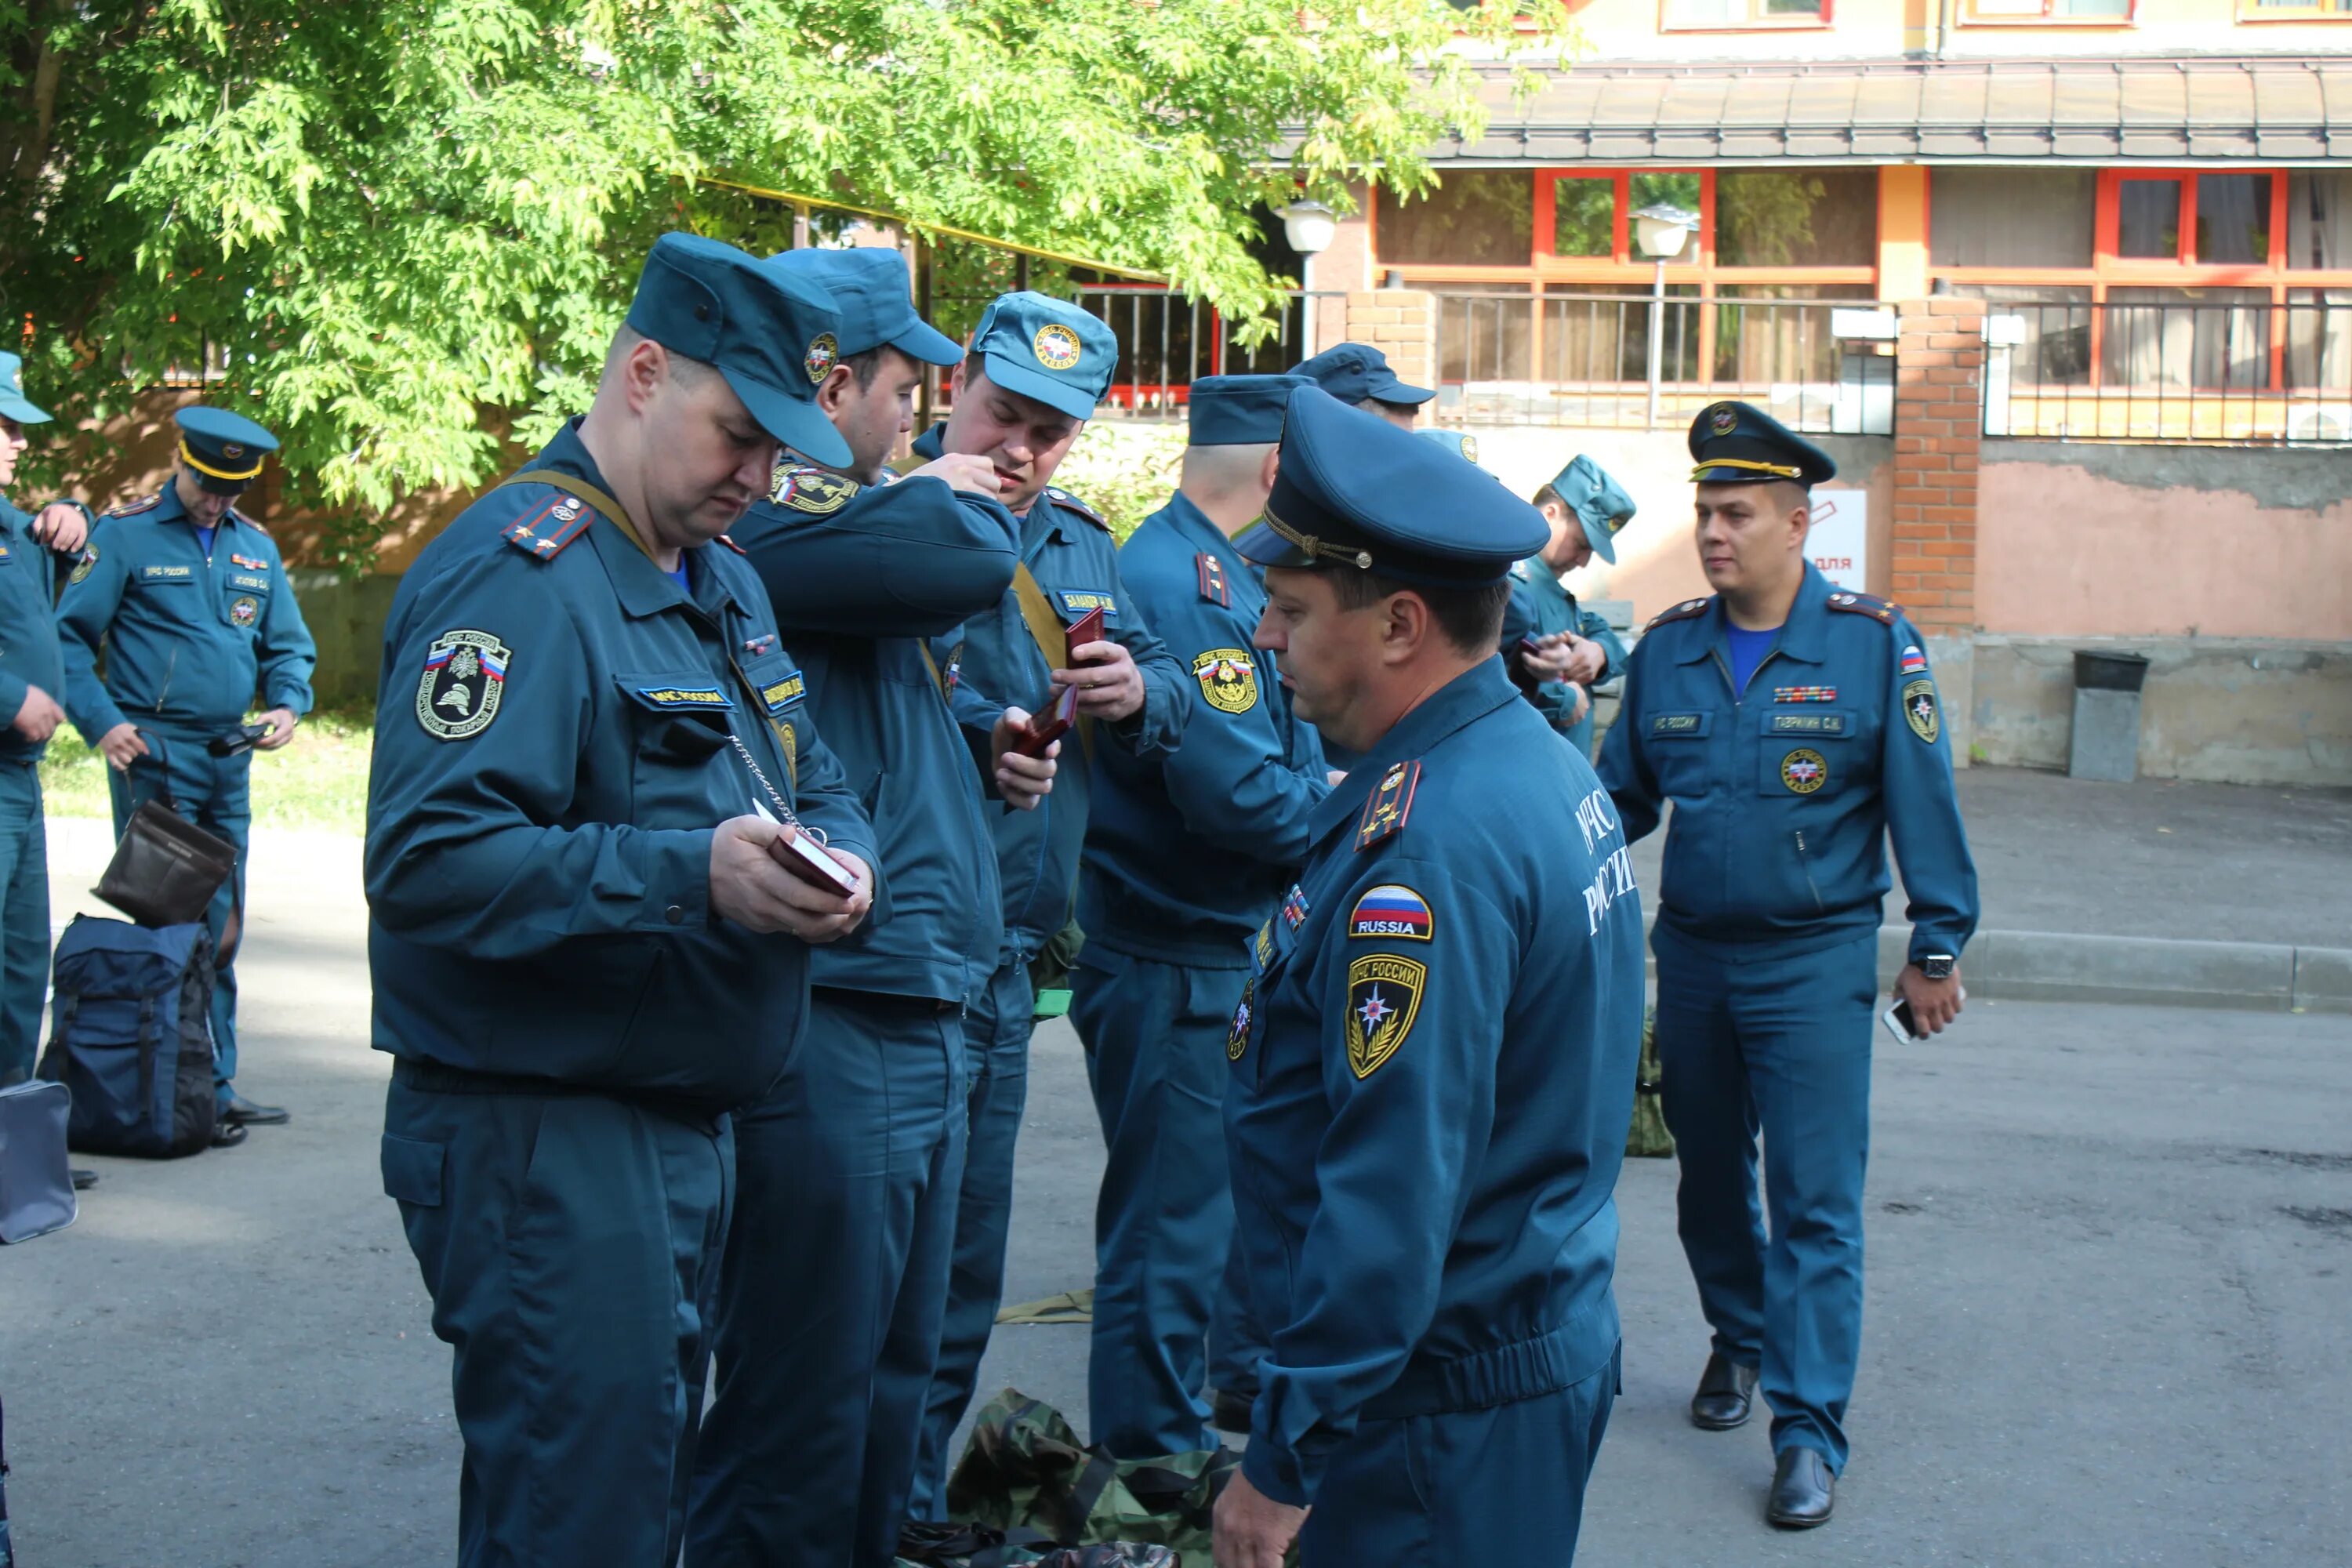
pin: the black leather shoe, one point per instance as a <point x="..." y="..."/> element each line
<point x="240" y="1111"/>
<point x="1803" y="1491"/>
<point x="82" y="1180"/>
<point x="1723" y="1398"/>
<point x="1230" y="1411"/>
<point x="228" y="1134"/>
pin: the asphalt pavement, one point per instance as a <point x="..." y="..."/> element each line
<point x="2110" y="1250"/>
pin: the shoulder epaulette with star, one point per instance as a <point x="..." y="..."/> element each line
<point x="132" y="509"/>
<point x="732" y="545"/>
<point x="1212" y="580"/>
<point x="1882" y="611"/>
<point x="544" y="533"/>
<point x="1390" y="804"/>
<point x="805" y="488"/>
<point x="1064" y="498"/>
<point x="236" y="516"/>
<point x="1680" y="612"/>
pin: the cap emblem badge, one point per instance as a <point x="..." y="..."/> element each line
<point x="231" y="450"/>
<point x="1723" y="420"/>
<point x="1056" y="347"/>
<point x="822" y="352"/>
<point x="1469" y="448"/>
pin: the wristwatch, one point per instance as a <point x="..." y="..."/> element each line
<point x="1938" y="965"/>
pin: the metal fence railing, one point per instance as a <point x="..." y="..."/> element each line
<point x="1167" y="342"/>
<point x="1517" y="357"/>
<point x="2239" y="369"/>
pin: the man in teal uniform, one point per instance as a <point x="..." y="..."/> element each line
<point x="846" y="1169"/>
<point x="1024" y="390"/>
<point x="1186" y="856"/>
<point x="1559" y="651"/>
<point x="1432" y="1063"/>
<point x="588" y="939"/>
<point x="32" y="677"/>
<point x="1794" y="726"/>
<point x="188" y="601"/>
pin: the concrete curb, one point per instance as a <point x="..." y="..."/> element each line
<point x="2068" y="966"/>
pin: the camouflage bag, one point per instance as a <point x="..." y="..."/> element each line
<point x="1025" y="1468"/>
<point x="1647" y="1138"/>
<point x="1049" y="972"/>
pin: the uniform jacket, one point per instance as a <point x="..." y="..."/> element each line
<point x="1784" y="799"/>
<point x="1432" y="1073"/>
<point x="1187" y="853"/>
<point x="993" y="663"/>
<point x="859" y="578"/>
<point x="189" y="635"/>
<point x="1540" y="604"/>
<point x="29" y="654"/>
<point x="551" y="755"/>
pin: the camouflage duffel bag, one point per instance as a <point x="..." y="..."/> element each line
<point x="1025" y="1469"/>
<point x="1647" y="1138"/>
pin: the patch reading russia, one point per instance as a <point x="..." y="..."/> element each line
<point x="464" y="676"/>
<point x="1383" y="997"/>
<point x="1391" y="910"/>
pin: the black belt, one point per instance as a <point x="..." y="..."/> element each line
<point x="439" y="1077"/>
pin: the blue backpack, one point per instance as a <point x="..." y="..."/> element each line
<point x="131" y="1037"/>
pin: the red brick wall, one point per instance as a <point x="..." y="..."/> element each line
<point x="1938" y="429"/>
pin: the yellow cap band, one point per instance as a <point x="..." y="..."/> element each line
<point x="204" y="468"/>
<point x="1778" y="471"/>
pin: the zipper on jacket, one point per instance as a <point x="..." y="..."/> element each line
<point x="170" y="668"/>
<point x="1806" y="861"/>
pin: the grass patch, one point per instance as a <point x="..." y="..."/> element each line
<point x="318" y="781"/>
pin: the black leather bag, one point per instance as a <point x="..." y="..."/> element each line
<point x="166" y="869"/>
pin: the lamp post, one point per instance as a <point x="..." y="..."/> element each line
<point x="1310" y="227"/>
<point x="1661" y="231"/>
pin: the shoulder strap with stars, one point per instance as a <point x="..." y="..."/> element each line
<point x="1390" y="804"/>
<point x="1680" y="612"/>
<point x="544" y="533"/>
<point x="1069" y="502"/>
<point x="1212" y="580"/>
<point x="132" y="509"/>
<point x="1882" y="611"/>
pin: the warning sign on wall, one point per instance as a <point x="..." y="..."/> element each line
<point x="1838" y="540"/>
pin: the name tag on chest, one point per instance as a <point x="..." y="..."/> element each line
<point x="1808" y="723"/>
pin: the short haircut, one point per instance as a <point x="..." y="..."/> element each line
<point x="683" y="369"/>
<point x="1470" y="619"/>
<point x="1407" y="410"/>
<point x="1548" y="497"/>
<point x="865" y="366"/>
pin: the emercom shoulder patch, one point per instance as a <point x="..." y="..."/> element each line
<point x="464" y="677"/>
<point x="1383" y="998"/>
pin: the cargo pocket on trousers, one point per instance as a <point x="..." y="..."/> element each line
<point x="412" y="1170"/>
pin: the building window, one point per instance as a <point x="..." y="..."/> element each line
<point x="2318" y="220"/>
<point x="2094" y="12"/>
<point x="1475" y="217"/>
<point x="2233" y="219"/>
<point x="2147" y="219"/>
<point x="1796" y="218"/>
<point x="2292" y="10"/>
<point x="2012" y="218"/>
<point x="1584" y="217"/>
<point x="1733" y="15"/>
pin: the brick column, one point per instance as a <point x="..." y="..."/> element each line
<point x="1403" y="324"/>
<point x="1938" y="433"/>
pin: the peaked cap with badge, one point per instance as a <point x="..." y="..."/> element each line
<point x="772" y="334"/>
<point x="224" y="450"/>
<point x="1239" y="410"/>
<point x="873" y="293"/>
<point x="1355" y="490"/>
<point x="1598" y="502"/>
<point x="1354" y="371"/>
<point x="1739" y="444"/>
<point x="1047" y="349"/>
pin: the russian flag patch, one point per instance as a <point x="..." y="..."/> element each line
<point x="1394" y="911"/>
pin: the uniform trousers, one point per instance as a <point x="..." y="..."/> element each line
<point x="24" y="919"/>
<point x="570" y="1243"/>
<point x="214" y="794"/>
<point x="831" y="1297"/>
<point x="1155" y="1041"/>
<point x="1501" y="1484"/>
<point x="1779" y="1042"/>
<point x="997" y="1027"/>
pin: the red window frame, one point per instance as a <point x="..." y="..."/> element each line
<point x="1967" y="18"/>
<point x="1666" y="23"/>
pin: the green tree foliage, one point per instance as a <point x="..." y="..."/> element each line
<point x="389" y="220"/>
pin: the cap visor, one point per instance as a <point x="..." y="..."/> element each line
<point x="796" y="424"/>
<point x="1596" y="534"/>
<point x="22" y="412"/>
<point x="1399" y="391"/>
<point x="1058" y="396"/>
<point x="1261" y="544"/>
<point x="924" y="343"/>
<point x="1702" y="475"/>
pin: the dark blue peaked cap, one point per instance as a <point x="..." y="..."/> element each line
<point x="1240" y="410"/>
<point x="224" y="450"/>
<point x="1355" y="490"/>
<point x="1739" y="444"/>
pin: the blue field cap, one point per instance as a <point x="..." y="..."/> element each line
<point x="224" y="450"/>
<point x="1598" y="502"/>
<point x="772" y="334"/>
<point x="13" y="404"/>
<point x="1354" y="371"/>
<point x="1355" y="490"/>
<point x="1739" y="444"/>
<point x="1239" y="410"/>
<point x="1047" y="349"/>
<point x="874" y="295"/>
